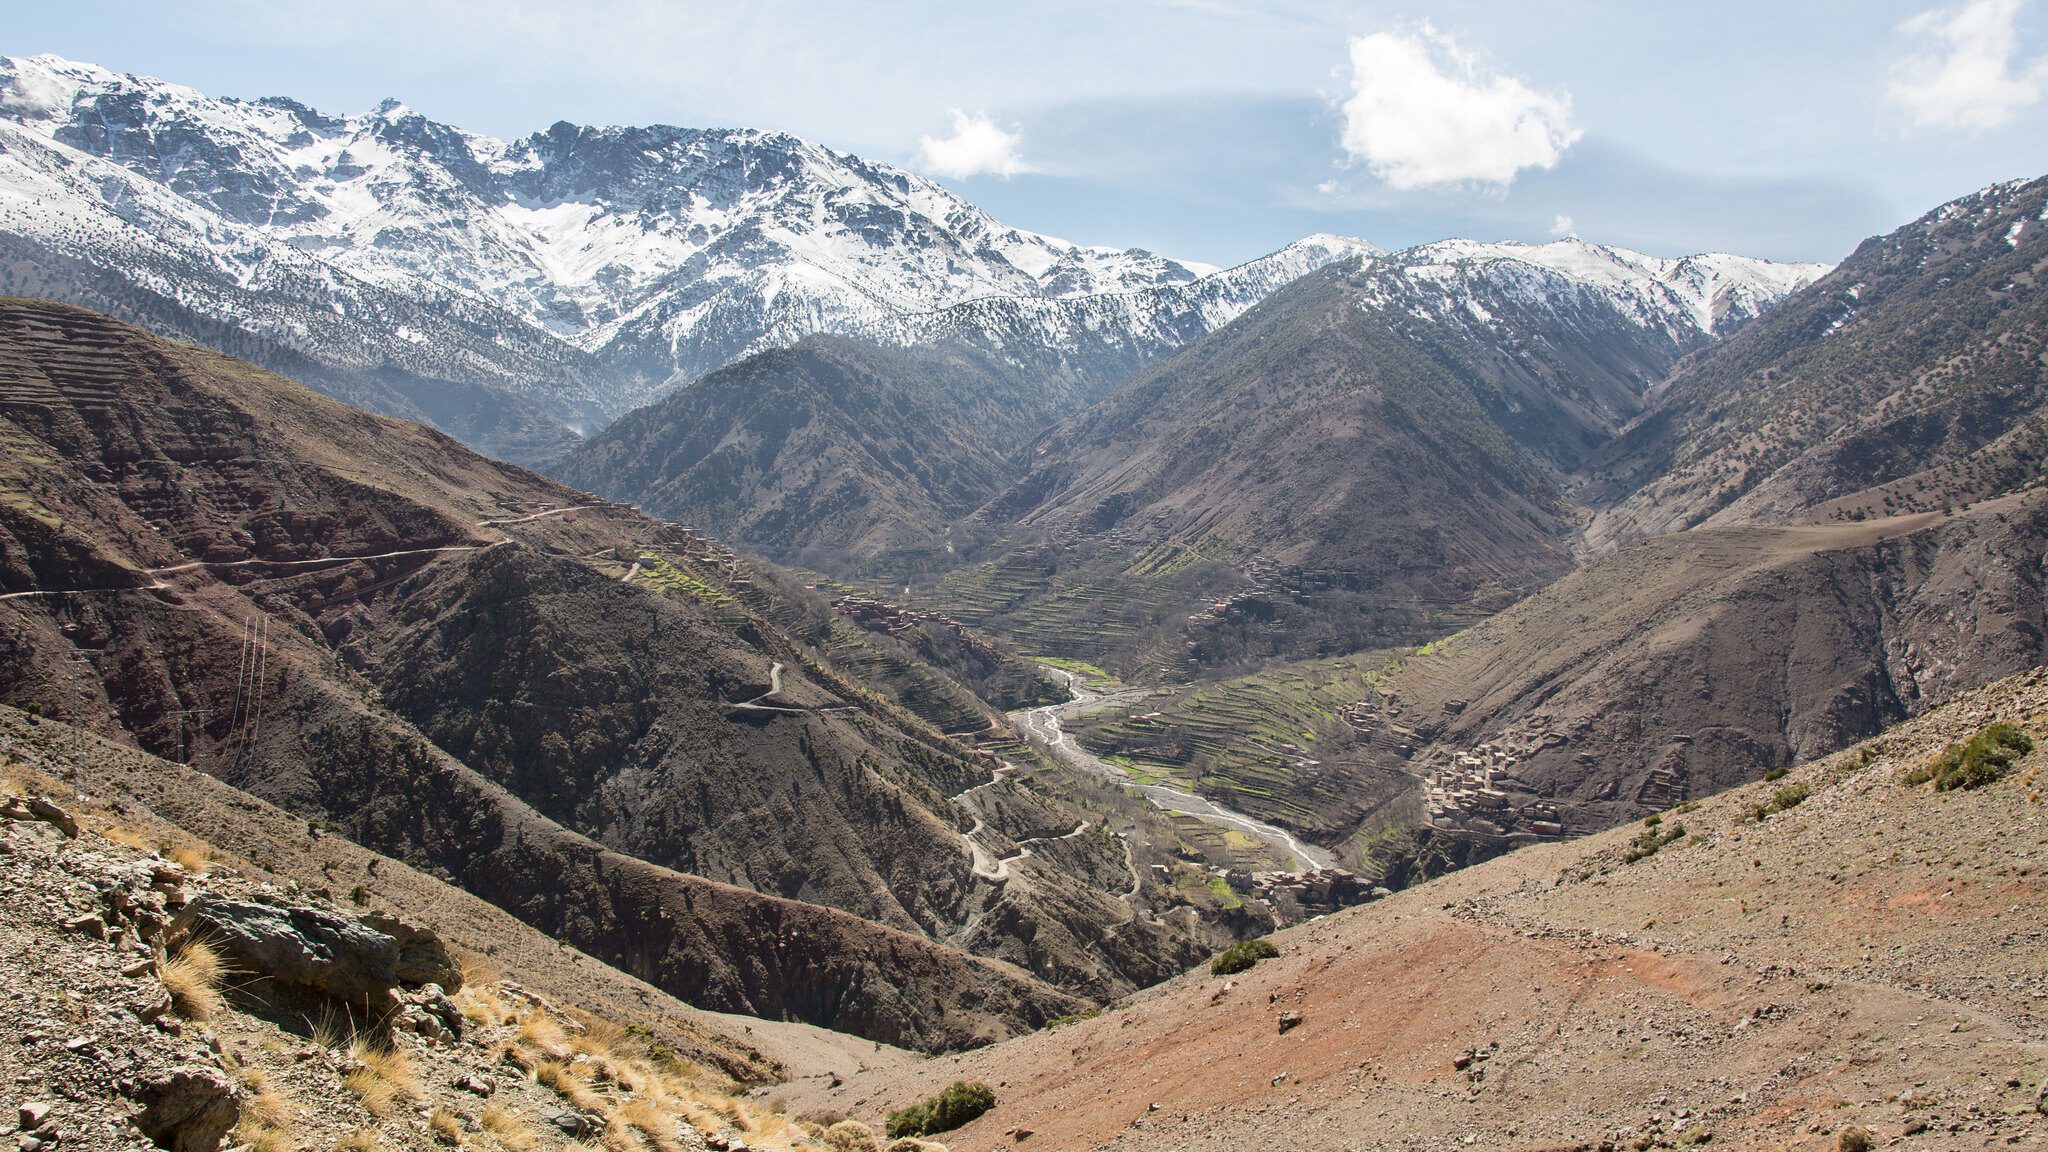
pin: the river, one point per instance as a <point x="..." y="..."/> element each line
<point x="1046" y="724"/>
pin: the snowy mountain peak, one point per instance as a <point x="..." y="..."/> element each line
<point x="584" y="269"/>
<point x="1708" y="293"/>
<point x="702" y="234"/>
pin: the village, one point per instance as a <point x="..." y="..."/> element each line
<point x="1299" y="895"/>
<point x="880" y="616"/>
<point x="1475" y="792"/>
<point x="1478" y="792"/>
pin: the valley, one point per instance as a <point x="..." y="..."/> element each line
<point x="1045" y="724"/>
<point x="720" y="643"/>
<point x="1869" y="958"/>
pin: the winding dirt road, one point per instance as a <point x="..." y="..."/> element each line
<point x="192" y="564"/>
<point x="528" y="519"/>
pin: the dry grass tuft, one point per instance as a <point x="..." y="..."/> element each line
<point x="263" y="1103"/>
<point x="187" y="855"/>
<point x="483" y="1006"/>
<point x="126" y="837"/>
<point x="193" y="974"/>
<point x="513" y="1132"/>
<point x="265" y="1139"/>
<point x="267" y="1122"/>
<point x="329" y="1028"/>
<point x="852" y="1136"/>
<point x="361" y="1140"/>
<point x="655" y="1123"/>
<point x="480" y="999"/>
<point x="446" y="1127"/>
<point x="569" y="1082"/>
<point x="382" y="1079"/>
<point x="544" y="1035"/>
<point x="476" y="970"/>
<point x="645" y="1092"/>
<point x="619" y="1136"/>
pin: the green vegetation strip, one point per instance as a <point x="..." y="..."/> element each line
<point x="1242" y="955"/>
<point x="1982" y="759"/>
<point x="959" y="1104"/>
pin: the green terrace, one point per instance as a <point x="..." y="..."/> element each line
<point x="680" y="578"/>
<point x="1253" y="737"/>
<point x="1107" y="606"/>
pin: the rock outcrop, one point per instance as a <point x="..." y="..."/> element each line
<point x="358" y="960"/>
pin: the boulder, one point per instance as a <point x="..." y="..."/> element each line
<point x="189" y="1109"/>
<point x="427" y="1011"/>
<point x="422" y="956"/>
<point x="37" y="808"/>
<point x="575" y="1124"/>
<point x="340" y="955"/>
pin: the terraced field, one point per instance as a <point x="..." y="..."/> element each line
<point x="930" y="694"/>
<point x="678" y="576"/>
<point x="1121" y="608"/>
<point x="1272" y="744"/>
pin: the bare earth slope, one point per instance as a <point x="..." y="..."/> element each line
<point x="1873" y="956"/>
<point x="1913" y="373"/>
<point x="1693" y="662"/>
<point x="311" y="602"/>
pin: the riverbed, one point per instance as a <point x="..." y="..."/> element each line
<point x="1046" y="725"/>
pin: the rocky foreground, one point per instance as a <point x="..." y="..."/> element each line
<point x="1834" y="959"/>
<point x="184" y="967"/>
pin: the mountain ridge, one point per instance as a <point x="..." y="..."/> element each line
<point x="638" y="258"/>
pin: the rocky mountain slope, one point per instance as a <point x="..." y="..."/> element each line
<point x="1372" y="454"/>
<point x="1684" y="664"/>
<point x="1694" y="662"/>
<point x="574" y="273"/>
<point x="1772" y="967"/>
<point x="1913" y="376"/>
<point x="467" y="666"/>
<point x="835" y="453"/>
<point x="854" y="467"/>
<point x="316" y="1031"/>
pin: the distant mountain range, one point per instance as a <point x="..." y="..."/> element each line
<point x="1508" y="361"/>
<point x="522" y="293"/>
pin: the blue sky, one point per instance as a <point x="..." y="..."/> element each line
<point x="1215" y="130"/>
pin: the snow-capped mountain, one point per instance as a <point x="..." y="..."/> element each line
<point x="663" y="252"/>
<point x="521" y="293"/>
<point x="1710" y="294"/>
<point x="77" y="228"/>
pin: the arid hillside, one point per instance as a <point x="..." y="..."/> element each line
<point x="186" y="964"/>
<point x="1695" y="662"/>
<point x="1843" y="947"/>
<point x="1911" y="378"/>
<point x="588" y="717"/>
<point x="840" y="454"/>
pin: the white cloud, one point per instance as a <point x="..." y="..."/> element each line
<point x="1963" y="74"/>
<point x="1424" y="114"/>
<point x="977" y="146"/>
<point x="1563" y="226"/>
